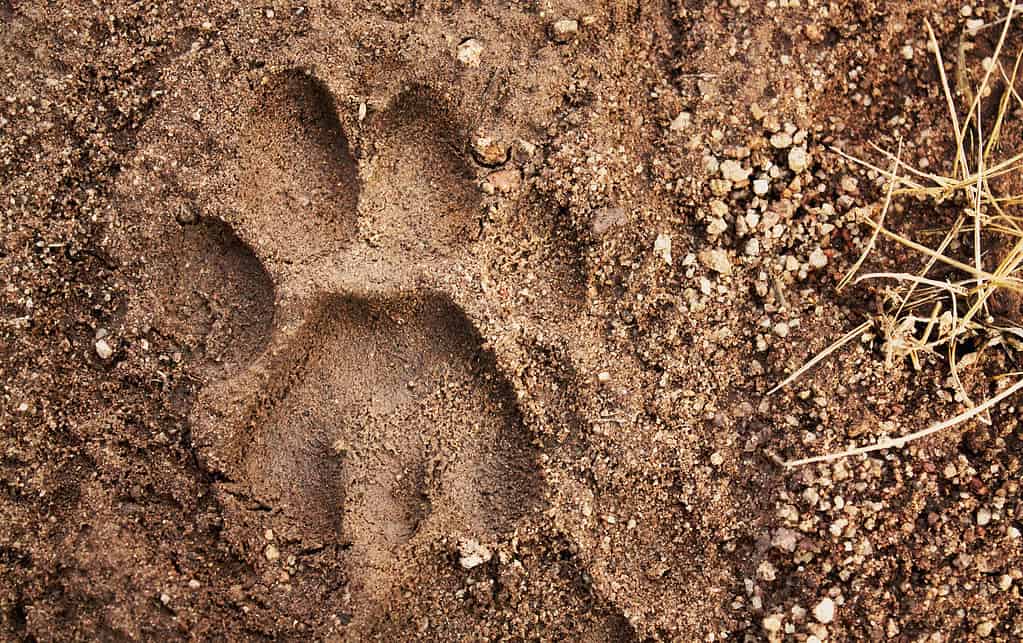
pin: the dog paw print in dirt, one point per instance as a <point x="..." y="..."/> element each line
<point x="374" y="419"/>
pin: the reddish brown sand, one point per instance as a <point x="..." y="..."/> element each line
<point x="367" y="381"/>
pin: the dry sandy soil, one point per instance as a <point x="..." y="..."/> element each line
<point x="287" y="352"/>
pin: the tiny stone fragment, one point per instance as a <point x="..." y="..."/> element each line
<point x="489" y="152"/>
<point x="564" y="30"/>
<point x="469" y="52"/>
<point x="103" y="349"/>
<point x="271" y="553"/>
<point x="662" y="247"/>
<point x="799" y="160"/>
<point x="818" y="259"/>
<point x="825" y="611"/>
<point x="716" y="260"/>
<point x="472" y="554"/>
<point x="733" y="171"/>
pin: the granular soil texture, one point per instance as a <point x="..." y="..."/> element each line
<point x="454" y="320"/>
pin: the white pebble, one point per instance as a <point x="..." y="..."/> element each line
<point x="781" y="140"/>
<point x="469" y="52"/>
<point x="761" y="187"/>
<point x="983" y="516"/>
<point x="733" y="171"/>
<point x="825" y="611"/>
<point x="772" y="623"/>
<point x="103" y="349"/>
<point x="818" y="259"/>
<point x="799" y="160"/>
<point x="662" y="247"/>
<point x="564" y="30"/>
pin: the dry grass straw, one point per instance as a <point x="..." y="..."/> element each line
<point x="947" y="313"/>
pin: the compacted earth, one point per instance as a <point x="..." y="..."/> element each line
<point x="456" y="320"/>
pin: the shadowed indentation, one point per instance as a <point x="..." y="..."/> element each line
<point x="216" y="294"/>
<point x="383" y="416"/>
<point x="419" y="198"/>
<point x="298" y="181"/>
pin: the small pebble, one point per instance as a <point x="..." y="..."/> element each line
<point x="733" y="171"/>
<point x="772" y="624"/>
<point x="472" y="554"/>
<point x="603" y="377"/>
<point x="716" y="260"/>
<point x="194" y="584"/>
<point x="489" y="152"/>
<point x="716" y="459"/>
<point x="606" y="218"/>
<point x="662" y="247"/>
<point x="818" y="259"/>
<point x="781" y="329"/>
<point x="983" y="517"/>
<point x="564" y="30"/>
<point x="103" y="349"/>
<point x="271" y="553"/>
<point x="681" y="122"/>
<point x="984" y="629"/>
<point x="469" y="52"/>
<point x="781" y="140"/>
<point x="825" y="611"/>
<point x="799" y="160"/>
<point x="761" y="187"/>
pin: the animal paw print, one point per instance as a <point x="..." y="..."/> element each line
<point x="374" y="419"/>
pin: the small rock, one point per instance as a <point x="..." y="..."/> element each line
<point x="489" y="152"/>
<point x="603" y="377"/>
<point x="472" y="554"/>
<point x="194" y="584"/>
<point x="469" y="52"/>
<point x="103" y="349"/>
<point x="606" y="218"/>
<point x="505" y="180"/>
<point x="752" y="248"/>
<point x="799" y="160"/>
<point x="564" y="30"/>
<point x="185" y="214"/>
<point x="681" y="122"/>
<point x="784" y="539"/>
<point x="761" y="187"/>
<point x="772" y="623"/>
<point x="781" y="329"/>
<point x="733" y="171"/>
<point x="662" y="247"/>
<point x="825" y="611"/>
<point x="818" y="259"/>
<point x="716" y="260"/>
<point x="165" y="598"/>
<point x="984" y="629"/>
<point x="716" y="226"/>
<point x="766" y="571"/>
<point x="716" y="459"/>
<point x="271" y="553"/>
<point x="983" y="517"/>
<point x="907" y="52"/>
<point x="781" y="140"/>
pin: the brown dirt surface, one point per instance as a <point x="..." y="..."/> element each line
<point x="432" y="320"/>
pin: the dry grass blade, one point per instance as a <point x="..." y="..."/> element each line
<point x="952" y="301"/>
<point x="900" y="442"/>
